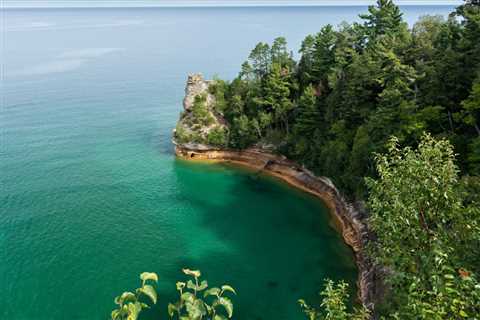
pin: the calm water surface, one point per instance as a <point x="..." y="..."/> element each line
<point x="92" y="194"/>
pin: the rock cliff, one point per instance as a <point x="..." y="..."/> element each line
<point x="200" y="126"/>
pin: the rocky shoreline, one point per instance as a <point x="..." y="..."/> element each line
<point x="351" y="221"/>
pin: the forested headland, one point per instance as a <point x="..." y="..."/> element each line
<point x="357" y="85"/>
<point x="392" y="115"/>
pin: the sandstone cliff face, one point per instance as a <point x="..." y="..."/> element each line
<point x="196" y="86"/>
<point x="200" y="126"/>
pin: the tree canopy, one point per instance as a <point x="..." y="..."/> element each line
<point x="355" y="86"/>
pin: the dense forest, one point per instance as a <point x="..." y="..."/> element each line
<point x="356" y="86"/>
<point x="392" y="116"/>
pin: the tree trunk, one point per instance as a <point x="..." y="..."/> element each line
<point x="477" y="128"/>
<point x="450" y="121"/>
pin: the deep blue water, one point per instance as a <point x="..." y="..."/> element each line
<point x="91" y="193"/>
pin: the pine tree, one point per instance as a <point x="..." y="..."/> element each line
<point x="383" y="19"/>
<point x="308" y="115"/>
<point x="277" y="96"/>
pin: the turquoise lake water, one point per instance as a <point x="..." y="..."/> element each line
<point x="92" y="194"/>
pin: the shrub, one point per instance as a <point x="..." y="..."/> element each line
<point x="129" y="303"/>
<point x="196" y="301"/>
<point x="217" y="137"/>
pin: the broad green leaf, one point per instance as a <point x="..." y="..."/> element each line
<point x="219" y="317"/>
<point x="209" y="308"/>
<point x="196" y="310"/>
<point x="134" y="310"/>
<point x="125" y="297"/>
<point x="150" y="292"/>
<point x="203" y="285"/>
<point x="115" y="314"/>
<point x="212" y="292"/>
<point x="187" y="297"/>
<point x="227" y="304"/>
<point x="194" y="273"/>
<point x="302" y="303"/>
<point x="149" y="276"/>
<point x="180" y="285"/>
<point x="191" y="285"/>
<point x="172" y="309"/>
<point x="226" y="287"/>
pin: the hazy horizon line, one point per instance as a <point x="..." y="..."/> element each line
<point x="4" y="4"/>
<point x="213" y="6"/>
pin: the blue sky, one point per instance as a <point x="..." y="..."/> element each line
<point x="142" y="3"/>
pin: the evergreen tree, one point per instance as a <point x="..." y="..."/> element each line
<point x="260" y="58"/>
<point x="396" y="99"/>
<point x="306" y="132"/>
<point x="308" y="115"/>
<point x="279" y="53"/>
<point x="323" y="57"/>
<point x="383" y="19"/>
<point x="277" y="96"/>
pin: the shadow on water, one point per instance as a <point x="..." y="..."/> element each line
<point x="272" y="243"/>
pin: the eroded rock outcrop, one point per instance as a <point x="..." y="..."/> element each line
<point x="200" y="125"/>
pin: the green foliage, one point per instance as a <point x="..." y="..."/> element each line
<point x="243" y="132"/>
<point x="200" y="112"/>
<point x="130" y="304"/>
<point x="355" y="86"/>
<point x="333" y="305"/>
<point x="276" y="98"/>
<point x="427" y="232"/>
<point x="217" y="89"/>
<point x="307" y="119"/>
<point x="384" y="18"/>
<point x="181" y="135"/>
<point x="217" y="137"/>
<point x="197" y="302"/>
<point x="471" y="108"/>
<point x="470" y="116"/>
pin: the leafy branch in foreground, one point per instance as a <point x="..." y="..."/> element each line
<point x="196" y="302"/>
<point x="333" y="304"/>
<point x="129" y="304"/>
<point x="428" y="232"/>
<point x="192" y="307"/>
